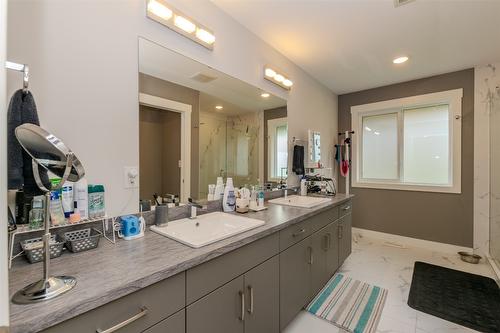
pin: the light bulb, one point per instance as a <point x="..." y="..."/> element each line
<point x="159" y="10"/>
<point x="184" y="24"/>
<point x="205" y="36"/>
<point x="269" y="72"/>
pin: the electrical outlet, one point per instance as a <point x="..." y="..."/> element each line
<point x="131" y="176"/>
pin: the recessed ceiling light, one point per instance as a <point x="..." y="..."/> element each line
<point x="265" y="95"/>
<point x="400" y="60"/>
<point x="219" y="107"/>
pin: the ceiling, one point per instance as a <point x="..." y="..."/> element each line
<point x="234" y="95"/>
<point x="348" y="45"/>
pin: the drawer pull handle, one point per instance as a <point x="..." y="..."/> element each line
<point x="328" y="238"/>
<point x="124" y="323"/>
<point x="311" y="257"/>
<point x="341" y="231"/>
<point x="250" y="291"/>
<point x="242" y="298"/>
<point x="347" y="207"/>
<point x="298" y="233"/>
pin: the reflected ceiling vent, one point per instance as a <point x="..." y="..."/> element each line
<point x="398" y="3"/>
<point x="203" y="78"/>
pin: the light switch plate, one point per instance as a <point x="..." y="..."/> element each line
<point x="131" y="176"/>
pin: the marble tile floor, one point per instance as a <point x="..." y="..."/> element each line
<point x="375" y="262"/>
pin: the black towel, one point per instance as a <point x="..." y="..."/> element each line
<point x="298" y="160"/>
<point x="22" y="110"/>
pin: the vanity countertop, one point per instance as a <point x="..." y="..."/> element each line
<point x="114" y="271"/>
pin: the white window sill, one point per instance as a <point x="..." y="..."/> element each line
<point x="409" y="187"/>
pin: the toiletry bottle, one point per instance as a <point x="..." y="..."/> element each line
<point x="303" y="186"/>
<point x="260" y="197"/>
<point x="56" y="210"/>
<point x="67" y="196"/>
<point x="82" y="198"/>
<point x="229" y="200"/>
<point x="96" y="201"/>
<point x="219" y="189"/>
<point x="36" y="214"/>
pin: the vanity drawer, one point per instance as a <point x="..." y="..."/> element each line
<point x="346" y="208"/>
<point x="295" y="234"/>
<point x="143" y="309"/>
<point x="205" y="278"/>
<point x="322" y="219"/>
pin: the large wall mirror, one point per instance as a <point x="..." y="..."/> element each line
<point x="196" y="124"/>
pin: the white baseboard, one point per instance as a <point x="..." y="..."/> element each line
<point x="494" y="266"/>
<point x="403" y="241"/>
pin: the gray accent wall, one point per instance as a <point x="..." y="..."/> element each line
<point x="157" y="87"/>
<point x="439" y="217"/>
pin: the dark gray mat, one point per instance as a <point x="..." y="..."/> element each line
<point x="466" y="299"/>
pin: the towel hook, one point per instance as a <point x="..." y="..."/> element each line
<point x="26" y="78"/>
<point x="20" y="68"/>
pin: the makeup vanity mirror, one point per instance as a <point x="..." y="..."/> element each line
<point x="197" y="123"/>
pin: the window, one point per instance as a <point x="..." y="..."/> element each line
<point x="410" y="143"/>
<point x="277" y="148"/>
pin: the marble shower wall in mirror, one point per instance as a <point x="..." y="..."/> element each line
<point x="227" y="131"/>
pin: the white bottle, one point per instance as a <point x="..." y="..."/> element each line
<point x="303" y="187"/>
<point x="219" y="189"/>
<point x="229" y="199"/>
<point x="81" y="193"/>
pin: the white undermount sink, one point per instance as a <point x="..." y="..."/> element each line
<point x="300" y="201"/>
<point x="206" y="229"/>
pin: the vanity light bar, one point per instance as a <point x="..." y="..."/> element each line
<point x="163" y="13"/>
<point x="275" y="77"/>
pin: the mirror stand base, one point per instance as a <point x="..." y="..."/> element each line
<point x="44" y="290"/>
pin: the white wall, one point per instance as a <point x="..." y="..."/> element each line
<point x="84" y="59"/>
<point x="4" y="294"/>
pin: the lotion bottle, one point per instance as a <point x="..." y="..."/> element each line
<point x="229" y="199"/>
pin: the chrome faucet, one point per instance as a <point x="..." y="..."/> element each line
<point x="194" y="207"/>
<point x="289" y="189"/>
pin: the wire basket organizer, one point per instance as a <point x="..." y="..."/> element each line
<point x="82" y="240"/>
<point x="33" y="248"/>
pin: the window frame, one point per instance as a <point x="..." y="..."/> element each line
<point x="272" y="124"/>
<point x="453" y="98"/>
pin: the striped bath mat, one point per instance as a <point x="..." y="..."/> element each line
<point x="350" y="304"/>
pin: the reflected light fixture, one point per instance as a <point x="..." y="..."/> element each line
<point x="163" y="13"/>
<point x="400" y="60"/>
<point x="219" y="107"/>
<point x="278" y="78"/>
<point x="265" y="95"/>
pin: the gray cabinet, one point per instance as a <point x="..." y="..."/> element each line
<point x="222" y="310"/>
<point x="333" y="247"/>
<point x="262" y="298"/>
<point x="132" y="313"/>
<point x="247" y="304"/>
<point x="319" y="273"/>
<point x="295" y="280"/>
<point x="345" y="237"/>
<point x="173" y="324"/>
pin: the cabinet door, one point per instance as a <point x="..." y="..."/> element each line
<point x="332" y="254"/>
<point x="262" y="298"/>
<point x="345" y="235"/>
<point x="295" y="280"/>
<point x="173" y="324"/>
<point x="220" y="311"/>
<point x="319" y="274"/>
